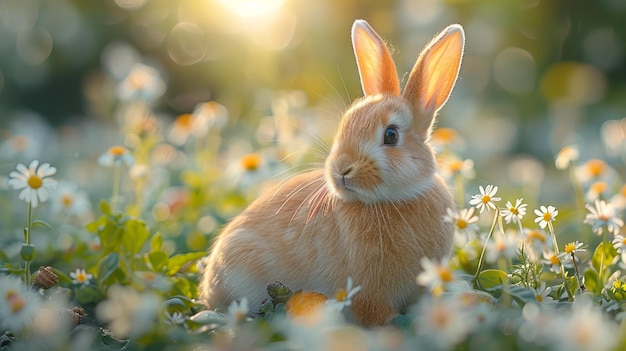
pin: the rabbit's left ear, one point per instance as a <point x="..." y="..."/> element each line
<point x="434" y="74"/>
<point x="376" y="68"/>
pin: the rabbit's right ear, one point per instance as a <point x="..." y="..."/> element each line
<point x="434" y="75"/>
<point x="376" y="68"/>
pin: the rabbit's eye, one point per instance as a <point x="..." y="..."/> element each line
<point x="391" y="136"/>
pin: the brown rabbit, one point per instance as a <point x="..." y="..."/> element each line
<point x="371" y="214"/>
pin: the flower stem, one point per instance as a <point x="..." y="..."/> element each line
<point x="116" y="187"/>
<point x="482" y="254"/>
<point x="460" y="190"/>
<point x="556" y="251"/>
<point x="601" y="273"/>
<point x="27" y="242"/>
<point x="581" y="284"/>
<point x="578" y="191"/>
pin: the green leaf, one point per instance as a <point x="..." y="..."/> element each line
<point x="92" y="227"/>
<point x="158" y="260"/>
<point x="174" y="301"/>
<point x="182" y="286"/>
<point x="609" y="252"/>
<point x="39" y="222"/>
<point x="521" y="295"/>
<point x="110" y="235"/>
<point x="87" y="295"/>
<point x="156" y="243"/>
<point x="105" y="207"/>
<point x="180" y="262"/>
<point x="107" y="266"/>
<point x="135" y="235"/>
<point x="490" y="278"/>
<point x="591" y="281"/>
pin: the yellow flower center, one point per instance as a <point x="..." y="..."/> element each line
<point x="456" y="166"/>
<point x="461" y="223"/>
<point x="20" y="142"/>
<point x="34" y="182"/>
<point x="184" y="121"/>
<point x="251" y="162"/>
<point x="486" y="199"/>
<point x="444" y="274"/>
<point x="539" y="298"/>
<point x="547" y="216"/>
<point x="617" y="285"/>
<point x="138" y="79"/>
<point x="117" y="150"/>
<point x="596" y="167"/>
<point x="341" y="294"/>
<point x="149" y="276"/>
<point x="445" y="135"/>
<point x="598" y="187"/>
<point x="15" y="300"/>
<point x="67" y="200"/>
<point x="555" y="260"/>
<point x="81" y="277"/>
<point x="537" y="235"/>
<point x="569" y="248"/>
<point x="440" y="318"/>
<point x="514" y="210"/>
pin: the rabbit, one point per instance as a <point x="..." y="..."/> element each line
<point x="374" y="210"/>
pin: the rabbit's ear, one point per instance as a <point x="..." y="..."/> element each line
<point x="376" y="67"/>
<point x="434" y="74"/>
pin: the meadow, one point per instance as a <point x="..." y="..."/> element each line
<point x="114" y="185"/>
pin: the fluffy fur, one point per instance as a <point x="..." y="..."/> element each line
<point x="374" y="210"/>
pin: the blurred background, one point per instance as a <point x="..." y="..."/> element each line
<point x="537" y="75"/>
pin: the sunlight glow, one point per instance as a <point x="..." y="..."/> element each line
<point x="252" y="8"/>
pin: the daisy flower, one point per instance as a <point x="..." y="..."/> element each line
<point x="542" y="294"/>
<point x="502" y="246"/>
<point x="545" y="215"/>
<point x="603" y="214"/>
<point x="18" y="304"/>
<point x="237" y="311"/>
<point x="209" y="115"/>
<point x="142" y="83"/>
<point x="80" y="276"/>
<point x="537" y="241"/>
<point x="464" y="220"/>
<point x="514" y="213"/>
<point x="69" y="200"/>
<point x="181" y="129"/>
<point x="128" y="312"/>
<point x="485" y="200"/>
<point x="451" y="166"/>
<point x="553" y="261"/>
<point x="586" y="328"/>
<point x="175" y="318"/>
<point x="34" y="182"/>
<point x="443" y="138"/>
<point x="571" y="249"/>
<point x="619" y="243"/>
<point x="597" y="190"/>
<point x="435" y="274"/>
<point x="442" y="324"/>
<point x="566" y="156"/>
<point x="343" y="297"/>
<point x="594" y="170"/>
<point x="115" y="156"/>
<point x="250" y="169"/>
